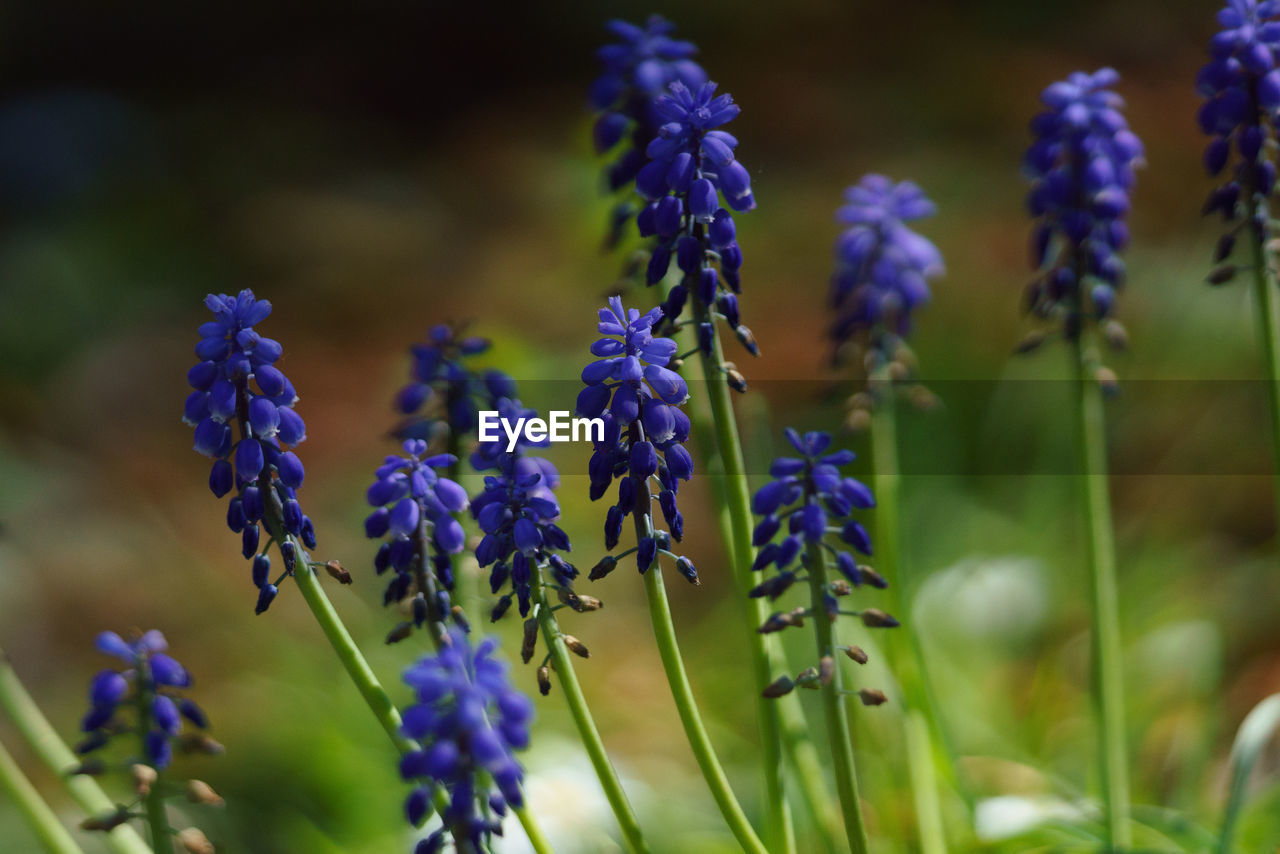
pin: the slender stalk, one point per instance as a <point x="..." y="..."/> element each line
<point x="153" y="803"/>
<point x="908" y="664"/>
<point x="39" y="815"/>
<point x="533" y="830"/>
<point x="664" y="633"/>
<point x="1264" y="287"/>
<point x="582" y="719"/>
<point x="1107" y="663"/>
<point x="833" y="707"/>
<point x="43" y="739"/>
<point x="765" y="655"/>
<point x="797" y="746"/>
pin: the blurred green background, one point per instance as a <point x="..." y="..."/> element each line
<point x="374" y="172"/>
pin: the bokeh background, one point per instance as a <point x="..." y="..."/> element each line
<point x="374" y="172"/>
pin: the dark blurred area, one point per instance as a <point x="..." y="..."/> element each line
<point x="374" y="171"/>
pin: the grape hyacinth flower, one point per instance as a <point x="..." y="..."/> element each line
<point x="152" y="685"/>
<point x="635" y="70"/>
<point x="639" y="398"/>
<point x="692" y="166"/>
<point x="1081" y="166"/>
<point x="883" y="268"/>
<point x="1241" y="87"/>
<point x="415" y="512"/>
<point x="444" y="394"/>
<point x="242" y="411"/>
<point x="469" y="721"/>
<point x="517" y="511"/>
<point x="816" y="503"/>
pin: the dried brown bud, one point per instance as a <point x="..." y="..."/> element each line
<point x="923" y="399"/>
<point x="193" y="841"/>
<point x="568" y="597"/>
<point x="748" y="339"/>
<point x="870" y="576"/>
<point x="144" y="777"/>
<point x="897" y="372"/>
<point x="200" y="792"/>
<point x="588" y="603"/>
<point x="778" y="687"/>
<point x="776" y="622"/>
<point x="337" y="572"/>
<point x="544" y="680"/>
<point x="856" y="653"/>
<point x="198" y="742"/>
<point x="603" y="568"/>
<point x="860" y="400"/>
<point x="530" y="640"/>
<point x="858" y="421"/>
<point x="872" y="697"/>
<point x="1031" y="341"/>
<point x="826" y="670"/>
<point x="808" y="678"/>
<point x="1117" y="336"/>
<point x="841" y="587"/>
<point x="873" y="618"/>
<point x="1222" y="251"/>
<point x="1107" y="379"/>
<point x="107" y="821"/>
<point x="736" y="380"/>
<point x="576" y="646"/>
<point x="797" y="616"/>
<point x="399" y="633"/>
<point x="1221" y="274"/>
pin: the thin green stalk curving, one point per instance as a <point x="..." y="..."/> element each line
<point x="833" y="706"/>
<point x="1106" y="647"/>
<point x="1264" y="286"/>
<point x="908" y="664"/>
<point x="583" y="720"/>
<point x="36" y="730"/>
<point x="766" y="657"/>
<point x="55" y="838"/>
<point x="664" y="633"/>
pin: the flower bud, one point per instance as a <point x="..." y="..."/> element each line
<point x="544" y="680"/>
<point x="399" y="633"/>
<point x="826" y="670"/>
<point x="872" y="697"/>
<point x="200" y="792"/>
<point x="337" y="572"/>
<point x="873" y="618"/>
<point x="856" y="653"/>
<point x="603" y="568"/>
<point x="530" y="640"/>
<point x="193" y="841"/>
<point x="144" y="777"/>
<point x="808" y="678"/>
<point x="576" y="646"/>
<point x="778" y="687"/>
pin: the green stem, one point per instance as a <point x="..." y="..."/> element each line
<point x="765" y="655"/>
<point x="1107" y="662"/>
<point x="531" y="829"/>
<point x="1264" y="287"/>
<point x="833" y="706"/>
<point x="43" y="739"/>
<point x="157" y="819"/>
<point x="908" y="664"/>
<point x="664" y="633"/>
<point x="39" y="815"/>
<point x="797" y="745"/>
<point x="583" y="720"/>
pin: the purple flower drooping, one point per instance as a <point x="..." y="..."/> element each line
<point x="470" y="721"/>
<point x="631" y="388"/>
<point x="149" y="690"/>
<point x="635" y="70"/>
<point x="815" y="503"/>
<point x="1081" y="166"/>
<point x="882" y="266"/>
<point x="1241" y="87"/>
<point x="242" y="411"/>
<point x="445" y="393"/>
<point x="415" y="514"/>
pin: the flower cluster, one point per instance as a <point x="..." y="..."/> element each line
<point x="630" y="387"/>
<point x="634" y="71"/>
<point x="517" y="511"/>
<point x="816" y="502"/>
<point x="444" y="394"/>
<point x="469" y="720"/>
<point x="691" y="165"/>
<point x="237" y="383"/>
<point x="1081" y="166"/>
<point x="414" y="510"/>
<point x="883" y="266"/>
<point x="152" y="683"/>
<point x="1241" y="87"/>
